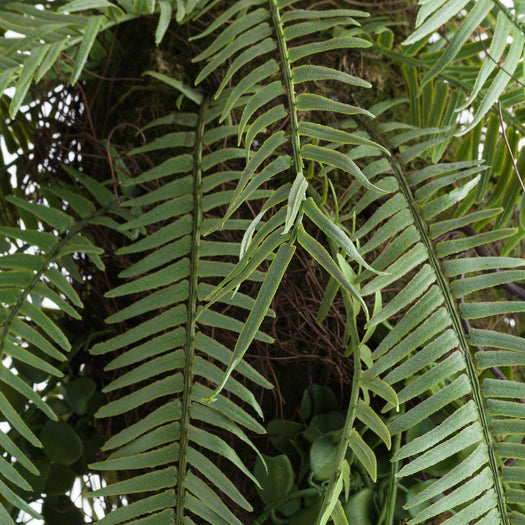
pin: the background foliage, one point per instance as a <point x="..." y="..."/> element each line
<point x="260" y="262"/>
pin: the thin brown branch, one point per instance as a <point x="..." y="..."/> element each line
<point x="116" y="181"/>
<point x="489" y="56"/>
<point x="508" y="147"/>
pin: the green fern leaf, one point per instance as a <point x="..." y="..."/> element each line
<point x="426" y="356"/>
<point x="172" y="273"/>
<point x="28" y="333"/>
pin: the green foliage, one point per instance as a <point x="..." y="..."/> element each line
<point x="137" y="281"/>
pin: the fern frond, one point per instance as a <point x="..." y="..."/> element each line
<point x="431" y="356"/>
<point x="169" y="343"/>
<point x="268" y="96"/>
<point x="485" y="85"/>
<point x="276" y="30"/>
<point x="45" y="34"/>
<point x="358" y="410"/>
<point x="31" y="273"/>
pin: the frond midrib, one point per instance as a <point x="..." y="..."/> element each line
<point x="289" y="85"/>
<point x="192" y="312"/>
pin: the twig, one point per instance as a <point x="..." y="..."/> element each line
<point x="101" y="77"/>
<point x="508" y="147"/>
<point x="490" y="57"/>
<point x="116" y="181"/>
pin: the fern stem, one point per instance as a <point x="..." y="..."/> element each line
<point x="287" y="71"/>
<point x="330" y="494"/>
<point x="464" y="345"/>
<point x="192" y="315"/>
<point x="389" y="505"/>
<point x="456" y="322"/>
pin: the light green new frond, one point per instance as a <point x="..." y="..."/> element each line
<point x="474" y="18"/>
<point x="265" y="99"/>
<point x="497" y="46"/>
<point x="432" y="16"/>
<point x="478" y="33"/>
<point x="502" y="79"/>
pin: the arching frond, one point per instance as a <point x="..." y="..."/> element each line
<point x="170" y="345"/>
<point x="432" y="356"/>
<point x="35" y="279"/>
<point x="417" y="227"/>
<point x="45" y="36"/>
<point x="274" y="95"/>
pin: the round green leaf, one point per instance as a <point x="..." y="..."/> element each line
<point x="311" y="434"/>
<point x="292" y="506"/>
<point x="61" y="443"/>
<point x="78" y="392"/>
<point x="277" y="481"/>
<point x="92" y="442"/>
<point x="328" y="422"/>
<point x="60" y="480"/>
<point x="386" y="39"/>
<point x="281" y="432"/>
<point x="307" y="515"/>
<point x="318" y="399"/>
<point x="323" y="455"/>
<point x="58" y="405"/>
<point x="95" y="402"/>
<point x="358" y="508"/>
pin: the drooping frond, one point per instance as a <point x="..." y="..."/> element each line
<point x="432" y="356"/>
<point x="279" y="157"/>
<point x="36" y="266"/>
<point x="360" y="416"/>
<point x="288" y="127"/>
<point x="168" y="354"/>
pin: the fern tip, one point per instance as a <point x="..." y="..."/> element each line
<point x="209" y="399"/>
